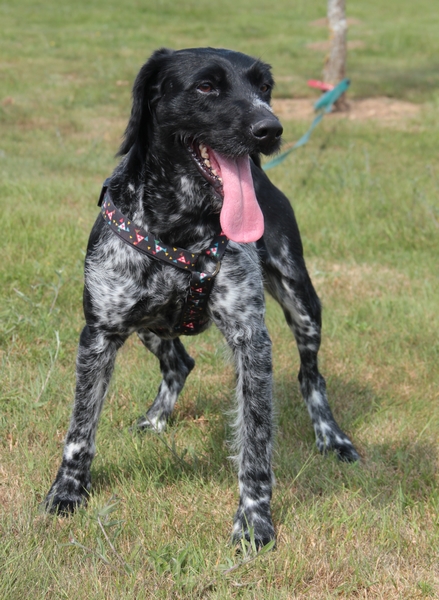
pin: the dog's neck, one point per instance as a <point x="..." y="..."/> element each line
<point x="168" y="199"/>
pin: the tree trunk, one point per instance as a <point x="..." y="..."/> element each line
<point x="335" y="67"/>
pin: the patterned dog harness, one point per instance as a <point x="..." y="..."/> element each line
<point x="193" y="314"/>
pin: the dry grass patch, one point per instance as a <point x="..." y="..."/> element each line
<point x="384" y="111"/>
<point x="352" y="281"/>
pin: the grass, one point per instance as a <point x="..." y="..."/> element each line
<point x="160" y="515"/>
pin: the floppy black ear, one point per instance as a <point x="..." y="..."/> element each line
<point x="146" y="92"/>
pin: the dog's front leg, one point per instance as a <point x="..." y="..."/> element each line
<point x="254" y="431"/>
<point x="238" y="310"/>
<point x="94" y="366"/>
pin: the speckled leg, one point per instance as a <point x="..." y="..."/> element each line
<point x="175" y="365"/>
<point x="291" y="286"/>
<point x="238" y="310"/>
<point x="94" y="366"/>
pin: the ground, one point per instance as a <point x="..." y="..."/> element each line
<point x="386" y="111"/>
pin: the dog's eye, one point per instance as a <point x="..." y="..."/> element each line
<point x="265" y="87"/>
<point x="205" y="87"/>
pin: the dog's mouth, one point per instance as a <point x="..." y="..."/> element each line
<point x="230" y="177"/>
<point x="207" y="165"/>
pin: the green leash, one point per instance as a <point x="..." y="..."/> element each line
<point x="322" y="106"/>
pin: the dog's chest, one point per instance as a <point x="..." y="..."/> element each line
<point x="128" y="291"/>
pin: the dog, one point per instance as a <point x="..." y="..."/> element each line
<point x="191" y="170"/>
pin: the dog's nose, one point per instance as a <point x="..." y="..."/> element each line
<point x="267" y="131"/>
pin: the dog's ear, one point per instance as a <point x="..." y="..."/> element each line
<point x="146" y="92"/>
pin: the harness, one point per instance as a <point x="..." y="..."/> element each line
<point x="193" y="313"/>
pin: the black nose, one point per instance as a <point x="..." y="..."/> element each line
<point x="267" y="131"/>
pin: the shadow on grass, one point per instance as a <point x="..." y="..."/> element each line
<point x="199" y="448"/>
<point x="190" y="449"/>
<point x="400" y="471"/>
<point x="352" y="404"/>
<point x="404" y="470"/>
<point x="402" y="474"/>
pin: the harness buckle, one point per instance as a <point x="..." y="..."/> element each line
<point x="217" y="269"/>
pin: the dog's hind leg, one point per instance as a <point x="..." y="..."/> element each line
<point x="175" y="365"/>
<point x="288" y="281"/>
<point x="94" y="367"/>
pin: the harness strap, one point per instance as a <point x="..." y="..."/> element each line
<point x="193" y="315"/>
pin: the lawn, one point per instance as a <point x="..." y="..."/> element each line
<point x="365" y="192"/>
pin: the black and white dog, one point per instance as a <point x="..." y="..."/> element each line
<point x="190" y="168"/>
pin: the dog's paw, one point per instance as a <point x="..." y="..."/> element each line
<point x="340" y="445"/>
<point x="150" y="423"/>
<point x="346" y="452"/>
<point x="65" y="497"/>
<point x="55" y="505"/>
<point x="256" y="529"/>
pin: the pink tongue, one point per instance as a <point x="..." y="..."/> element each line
<point x="241" y="218"/>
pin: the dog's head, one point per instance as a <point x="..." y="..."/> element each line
<point x="208" y="110"/>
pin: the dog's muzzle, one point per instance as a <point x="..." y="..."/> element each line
<point x="267" y="133"/>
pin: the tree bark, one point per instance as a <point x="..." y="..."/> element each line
<point x="335" y="67"/>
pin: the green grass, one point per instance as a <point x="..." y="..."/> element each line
<point x="366" y="197"/>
